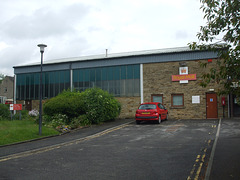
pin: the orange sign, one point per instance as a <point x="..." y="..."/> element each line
<point x="184" y="77"/>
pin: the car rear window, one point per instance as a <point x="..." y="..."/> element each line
<point x="148" y="106"/>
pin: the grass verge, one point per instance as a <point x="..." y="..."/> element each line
<point x="22" y="130"/>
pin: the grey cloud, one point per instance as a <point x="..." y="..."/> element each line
<point x="45" y="23"/>
<point x="72" y="48"/>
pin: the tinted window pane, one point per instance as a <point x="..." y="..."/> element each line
<point x="86" y="75"/>
<point x="136" y="71"/>
<point x="75" y="76"/>
<point x="177" y="100"/>
<point x="129" y="72"/>
<point x="148" y="106"/>
<point x="110" y="73"/>
<point x="123" y="72"/>
<point x="92" y="75"/>
<point x="157" y="99"/>
<point x="116" y="73"/>
<point x="104" y="74"/>
<point x="98" y="74"/>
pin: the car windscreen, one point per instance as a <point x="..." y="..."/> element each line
<point x="148" y="106"/>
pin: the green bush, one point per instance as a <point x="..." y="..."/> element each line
<point x="68" y="103"/>
<point x="59" y="120"/>
<point x="99" y="105"/>
<point x="91" y="106"/>
<point x="4" y="111"/>
<point x="79" y="121"/>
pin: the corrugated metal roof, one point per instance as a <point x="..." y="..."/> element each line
<point x="114" y="55"/>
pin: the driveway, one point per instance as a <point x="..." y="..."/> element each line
<point x="174" y="149"/>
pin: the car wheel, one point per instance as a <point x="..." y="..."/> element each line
<point x="167" y="117"/>
<point x="159" y="119"/>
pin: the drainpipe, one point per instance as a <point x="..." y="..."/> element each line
<point x="141" y="82"/>
<point x="71" y="78"/>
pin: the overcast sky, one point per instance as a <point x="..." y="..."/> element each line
<point x="72" y="28"/>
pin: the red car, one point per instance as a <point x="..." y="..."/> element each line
<point x="151" y="111"/>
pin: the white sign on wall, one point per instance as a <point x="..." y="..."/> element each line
<point x="182" y="71"/>
<point x="11" y="107"/>
<point x="195" y="99"/>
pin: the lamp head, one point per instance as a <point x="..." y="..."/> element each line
<point x="42" y="46"/>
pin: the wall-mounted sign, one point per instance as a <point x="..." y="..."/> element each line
<point x="183" y="70"/>
<point x="195" y="99"/>
<point x="190" y="77"/>
<point x="16" y="107"/>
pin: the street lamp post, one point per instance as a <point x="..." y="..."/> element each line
<point x="42" y="46"/>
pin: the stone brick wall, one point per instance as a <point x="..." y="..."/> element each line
<point x="129" y="106"/>
<point x="157" y="80"/>
<point x="6" y="87"/>
<point x="35" y="104"/>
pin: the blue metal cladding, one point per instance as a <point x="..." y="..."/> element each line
<point x="105" y="62"/>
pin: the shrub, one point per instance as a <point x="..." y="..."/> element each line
<point x="4" y="111"/>
<point x="99" y="105"/>
<point x="68" y="103"/>
<point x="91" y="106"/>
<point x="59" y="120"/>
<point x="25" y="113"/>
<point x="79" y="121"/>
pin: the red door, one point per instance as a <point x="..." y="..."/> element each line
<point x="212" y="110"/>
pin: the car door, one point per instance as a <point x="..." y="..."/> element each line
<point x="162" y="111"/>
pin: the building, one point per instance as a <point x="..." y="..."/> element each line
<point x="170" y="76"/>
<point x="6" y="89"/>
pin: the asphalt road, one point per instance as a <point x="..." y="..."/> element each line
<point x="226" y="160"/>
<point x="175" y="149"/>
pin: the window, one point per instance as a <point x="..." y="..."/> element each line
<point x="147" y="106"/>
<point x="161" y="106"/>
<point x="118" y="80"/>
<point x="177" y="100"/>
<point x="5" y="90"/>
<point x="157" y="98"/>
<point x="53" y="83"/>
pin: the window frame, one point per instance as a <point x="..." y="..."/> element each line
<point x="160" y="95"/>
<point x="177" y="94"/>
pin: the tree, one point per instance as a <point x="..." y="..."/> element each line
<point x="223" y="20"/>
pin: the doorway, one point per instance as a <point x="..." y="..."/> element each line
<point x="28" y="105"/>
<point x="235" y="106"/>
<point x="212" y="110"/>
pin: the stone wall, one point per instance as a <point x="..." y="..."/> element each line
<point x="129" y="106"/>
<point x="157" y="80"/>
<point x="6" y="87"/>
